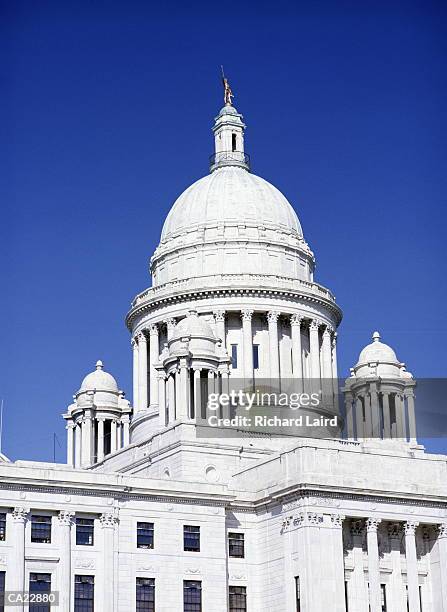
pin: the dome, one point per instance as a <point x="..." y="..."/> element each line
<point x="193" y="326"/>
<point x="377" y="351"/>
<point x="231" y="195"/>
<point x="99" y="380"/>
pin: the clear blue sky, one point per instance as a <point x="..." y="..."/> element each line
<point x="106" y="111"/>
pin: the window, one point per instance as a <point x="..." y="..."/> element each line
<point x="298" y="593"/>
<point x="256" y="356"/>
<point x="234" y="356"/>
<point x="2" y="526"/>
<point x="145" y="595"/>
<point x="191" y="538"/>
<point x="238" y="599"/>
<point x="383" y="597"/>
<point x="192" y="596"/>
<point x="39" y="583"/>
<point x="84" y="594"/>
<point x="145" y="535"/>
<point x="41" y="529"/>
<point x="2" y="591"/>
<point x="233" y="142"/>
<point x="346" y="596"/>
<point x="236" y="545"/>
<point x="84" y="531"/>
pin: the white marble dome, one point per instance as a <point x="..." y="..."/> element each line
<point x="379" y="359"/>
<point x="99" y="380"/>
<point x="197" y="332"/>
<point x="231" y="195"/>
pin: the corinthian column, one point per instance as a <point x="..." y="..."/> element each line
<point x="297" y="355"/>
<point x="16" y="575"/>
<point x="142" y="372"/>
<point x="219" y="317"/>
<point x="78" y="444"/>
<point x="247" y="345"/>
<point x="100" y="446"/>
<point x="412" y="567"/>
<point x="65" y="521"/>
<point x="314" y="343"/>
<point x="108" y="522"/>
<point x="153" y="359"/>
<point x="373" y="565"/>
<point x="411" y="414"/>
<point x="170" y="326"/>
<point x="272" y="318"/>
<point x="136" y="362"/>
<point x="70" y="442"/>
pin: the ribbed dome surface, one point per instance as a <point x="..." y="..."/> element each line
<point x="377" y="351"/>
<point x="231" y="195"/>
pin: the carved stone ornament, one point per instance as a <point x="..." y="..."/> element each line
<point x="84" y="564"/>
<point x="410" y="527"/>
<point x="65" y="518"/>
<point x="20" y="514"/>
<point x="108" y="519"/>
<point x="372" y="524"/>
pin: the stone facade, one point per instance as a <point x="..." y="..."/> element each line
<point x="355" y="523"/>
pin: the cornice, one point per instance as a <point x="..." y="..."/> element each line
<point x="178" y="297"/>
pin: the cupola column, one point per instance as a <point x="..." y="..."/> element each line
<point x="70" y="442"/>
<point x="161" y="399"/>
<point x="197" y="394"/>
<point x="142" y="372"/>
<point x="100" y="446"/>
<point x="78" y="444"/>
<point x="219" y="317"/>
<point x="359" y="420"/>
<point x="153" y="359"/>
<point x="386" y="415"/>
<point x="112" y="435"/>
<point x="125" y="422"/>
<point x="171" y="397"/>
<point x="411" y="415"/>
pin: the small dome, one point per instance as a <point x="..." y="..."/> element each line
<point x="228" y="110"/>
<point x="377" y="351"/>
<point x="193" y="326"/>
<point x="99" y="380"/>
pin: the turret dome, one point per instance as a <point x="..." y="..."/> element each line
<point x="99" y="380"/>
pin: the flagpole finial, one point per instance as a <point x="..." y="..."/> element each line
<point x="228" y="94"/>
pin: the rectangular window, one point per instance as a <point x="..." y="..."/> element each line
<point x="298" y="593"/>
<point x="234" y="356"/>
<point x="191" y="538"/>
<point x="233" y="142"/>
<point x="145" y="595"/>
<point x="145" y="535"/>
<point x="383" y="597"/>
<point x="39" y="584"/>
<point x="85" y="531"/>
<point x="84" y="594"/>
<point x="2" y="591"/>
<point x="2" y="526"/>
<point x="192" y="596"/>
<point x="236" y="545"/>
<point x="238" y="598"/>
<point x="256" y="356"/>
<point x="41" y="529"/>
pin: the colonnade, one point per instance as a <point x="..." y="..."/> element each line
<point x="381" y="410"/>
<point x="322" y="358"/>
<point x="15" y="574"/>
<point x="90" y="437"/>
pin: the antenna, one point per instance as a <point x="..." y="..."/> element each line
<point x="55" y="438"/>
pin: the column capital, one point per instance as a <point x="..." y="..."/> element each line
<point x="20" y="514"/>
<point x="442" y="530"/>
<point x="65" y="518"/>
<point x="337" y="520"/>
<point x="108" y="520"/>
<point x="134" y="342"/>
<point x="273" y="316"/>
<point x="141" y="336"/>
<point x="314" y="324"/>
<point x="328" y="331"/>
<point x="372" y="524"/>
<point x="70" y="425"/>
<point x="296" y="319"/>
<point x="219" y="315"/>
<point x="170" y="323"/>
<point x="410" y="527"/>
<point x="153" y="329"/>
<point x="246" y="315"/>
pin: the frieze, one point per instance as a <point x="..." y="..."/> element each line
<point x="84" y="564"/>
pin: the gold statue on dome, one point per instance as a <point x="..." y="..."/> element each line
<point x="228" y="94"/>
